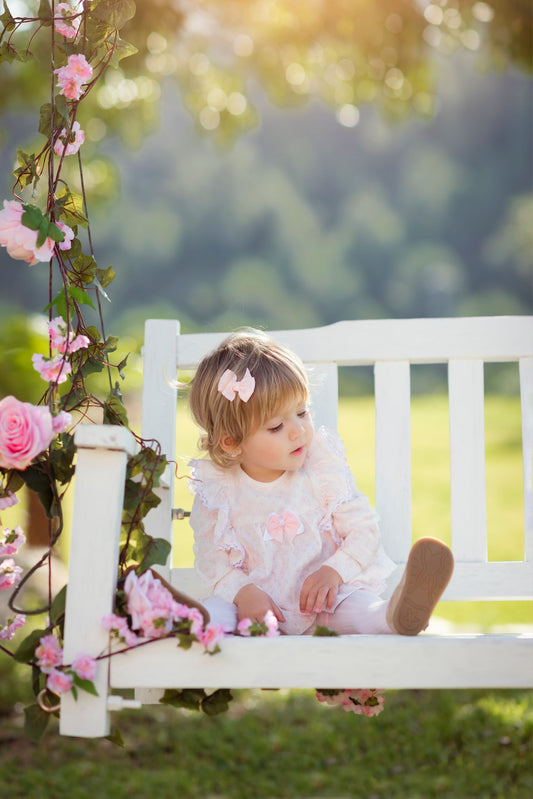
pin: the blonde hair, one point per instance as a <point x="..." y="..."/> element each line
<point x="279" y="375"/>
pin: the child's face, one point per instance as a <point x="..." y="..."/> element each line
<point x="278" y="446"/>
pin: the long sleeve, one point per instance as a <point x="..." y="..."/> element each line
<point x="355" y="523"/>
<point x="220" y="566"/>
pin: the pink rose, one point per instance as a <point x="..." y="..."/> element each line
<point x="58" y="682"/>
<point x="19" y="240"/>
<point x="25" y="431"/>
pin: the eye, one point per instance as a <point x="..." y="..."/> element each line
<point x="275" y="429"/>
<point x="303" y="414"/>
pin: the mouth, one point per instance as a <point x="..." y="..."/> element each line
<point x="298" y="450"/>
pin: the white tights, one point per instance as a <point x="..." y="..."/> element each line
<point x="361" y="612"/>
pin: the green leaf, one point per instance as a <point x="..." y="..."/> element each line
<point x="26" y="649"/>
<point x="80" y="295"/>
<point x="70" y="207"/>
<point x="114" y="411"/>
<point x="85" y="685"/>
<point x="189" y="698"/>
<point x="110" y="344"/>
<point x="45" y="119"/>
<point x="45" y="12"/>
<point x="35" y="722"/>
<point x="115" y="12"/>
<point x="321" y="631"/>
<point x="116" y="738"/>
<point x="151" y="552"/>
<point x="39" y="482"/>
<point x="6" y="19"/>
<point x="105" y="276"/>
<point x="32" y="217"/>
<point x="57" y="610"/>
<point x="62" y="458"/>
<point x="122" y="365"/>
<point x="84" y="267"/>
<point x="217" y="702"/>
<point x="9" y="53"/>
<point x="122" y="50"/>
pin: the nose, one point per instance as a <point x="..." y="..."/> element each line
<point x="296" y="429"/>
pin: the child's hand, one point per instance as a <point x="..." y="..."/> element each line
<point x="320" y="590"/>
<point x="253" y="603"/>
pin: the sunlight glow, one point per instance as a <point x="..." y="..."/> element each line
<point x="348" y="115"/>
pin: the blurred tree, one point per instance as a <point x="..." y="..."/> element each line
<point x="344" y="52"/>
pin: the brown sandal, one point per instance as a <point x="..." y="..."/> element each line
<point x="427" y="572"/>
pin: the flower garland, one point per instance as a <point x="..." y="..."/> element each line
<point x="36" y="441"/>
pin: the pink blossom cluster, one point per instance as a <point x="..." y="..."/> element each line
<point x="154" y="613"/>
<point x="10" y="573"/>
<point x="11" y="541"/>
<point x="69" y="143"/>
<point x="56" y="368"/>
<point x="21" y="242"/>
<point x="66" y="23"/>
<point x="361" y="701"/>
<point x="64" y="341"/>
<point x="49" y="655"/>
<point x="8" y="630"/>
<point x="26" y="430"/>
<point x="267" y="628"/>
<point x="8" y="500"/>
<point x="73" y="75"/>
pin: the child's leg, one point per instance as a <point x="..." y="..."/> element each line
<point x="362" y="612"/>
<point x="427" y="573"/>
<point x="222" y="612"/>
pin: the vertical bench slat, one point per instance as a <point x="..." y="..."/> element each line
<point x="393" y="456"/>
<point x="324" y="394"/>
<point x="158" y="422"/>
<point x="97" y="515"/>
<point x="467" y="460"/>
<point x="526" y="394"/>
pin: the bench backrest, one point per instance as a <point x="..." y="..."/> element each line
<point x="390" y="347"/>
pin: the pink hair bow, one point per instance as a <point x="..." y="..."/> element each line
<point x="228" y="385"/>
<point x="285" y="526"/>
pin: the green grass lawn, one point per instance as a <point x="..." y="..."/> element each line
<point x="450" y="744"/>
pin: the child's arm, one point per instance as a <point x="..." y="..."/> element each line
<point x="253" y="603"/>
<point x="319" y="590"/>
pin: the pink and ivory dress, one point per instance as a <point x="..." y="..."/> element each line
<point x="275" y="534"/>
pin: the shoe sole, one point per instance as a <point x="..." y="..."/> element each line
<point x="427" y="573"/>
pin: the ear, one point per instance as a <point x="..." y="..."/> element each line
<point x="230" y="446"/>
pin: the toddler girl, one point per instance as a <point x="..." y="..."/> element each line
<point x="278" y="521"/>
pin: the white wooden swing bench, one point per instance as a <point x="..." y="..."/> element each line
<point x="425" y="661"/>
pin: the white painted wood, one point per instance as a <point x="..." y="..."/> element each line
<point x="526" y="393"/>
<point x="393" y="456"/>
<point x="97" y="513"/>
<point x="467" y="460"/>
<point x="159" y="398"/>
<point x="324" y="394"/>
<point x="494" y="338"/>
<point x="384" y="661"/>
<point x="427" y="661"/>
